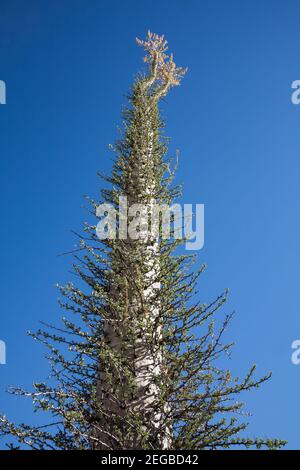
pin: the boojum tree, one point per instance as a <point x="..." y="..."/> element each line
<point x="140" y="370"/>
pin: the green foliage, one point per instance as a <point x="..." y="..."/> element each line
<point x="135" y="306"/>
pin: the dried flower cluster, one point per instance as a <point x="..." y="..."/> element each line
<point x="164" y="65"/>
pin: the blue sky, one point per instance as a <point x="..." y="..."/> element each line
<point x="67" y="65"/>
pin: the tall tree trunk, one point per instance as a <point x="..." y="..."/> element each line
<point x="135" y="332"/>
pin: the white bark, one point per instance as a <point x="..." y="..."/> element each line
<point x="146" y="355"/>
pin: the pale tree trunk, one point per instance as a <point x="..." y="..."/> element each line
<point x="145" y="354"/>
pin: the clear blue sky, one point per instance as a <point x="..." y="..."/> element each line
<point x="68" y="65"/>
